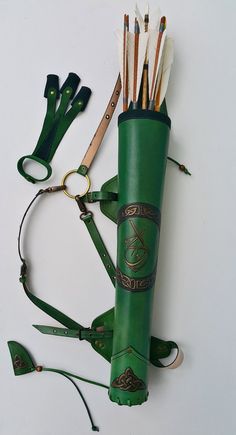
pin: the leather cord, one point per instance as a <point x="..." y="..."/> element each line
<point x="44" y="306"/>
<point x="94" y="428"/>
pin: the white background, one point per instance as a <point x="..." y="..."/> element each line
<point x="195" y="297"/>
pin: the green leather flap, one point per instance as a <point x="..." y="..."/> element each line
<point x="21" y="360"/>
<point x="160" y="349"/>
<point x="110" y="208"/>
<point x="105" y="322"/>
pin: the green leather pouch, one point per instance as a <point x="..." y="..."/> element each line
<point x="143" y="147"/>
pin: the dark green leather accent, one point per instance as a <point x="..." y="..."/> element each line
<point x="142" y="114"/>
<point x="90" y="334"/>
<point x="56" y="123"/>
<point x="100" y="196"/>
<point x="21" y="360"/>
<point x="101" y="248"/>
<point x="71" y="82"/>
<point x="163" y="108"/>
<point x="82" y="170"/>
<point x="110" y="208"/>
<point x="143" y="146"/>
<point x="160" y="349"/>
<point x="82" y="97"/>
<point x="41" y="162"/>
<point x="52" y="84"/>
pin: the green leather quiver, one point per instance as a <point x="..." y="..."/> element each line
<point x="143" y="146"/>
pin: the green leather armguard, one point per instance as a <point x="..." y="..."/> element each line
<point x="143" y="146"/>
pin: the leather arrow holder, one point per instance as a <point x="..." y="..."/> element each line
<point x="143" y="147"/>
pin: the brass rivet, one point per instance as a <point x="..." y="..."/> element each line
<point x="52" y="92"/>
<point x="107" y="116"/>
<point x="112" y="104"/>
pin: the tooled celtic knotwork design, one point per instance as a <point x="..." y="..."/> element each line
<point x="136" y="252"/>
<point x="139" y="209"/>
<point x="128" y="381"/>
<point x="135" y="284"/>
<point x="18" y="362"/>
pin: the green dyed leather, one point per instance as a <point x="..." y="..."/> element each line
<point x="51" y="311"/>
<point x="99" y="244"/>
<point x="82" y="334"/>
<point x="21" y="360"/>
<point x="55" y="125"/>
<point x="109" y="208"/>
<point x="143" y="146"/>
<point x="100" y="196"/>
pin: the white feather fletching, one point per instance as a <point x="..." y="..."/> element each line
<point x="120" y="38"/>
<point x="139" y="18"/>
<point x="155" y="19"/>
<point x="151" y="51"/>
<point x="168" y="58"/>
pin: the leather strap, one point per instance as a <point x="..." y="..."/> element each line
<point x="101" y="130"/>
<point x="93" y="231"/>
<point x="99" y="245"/>
<point x="100" y="195"/>
<point x="87" y="217"/>
<point x="74" y="329"/>
<point x="82" y="334"/>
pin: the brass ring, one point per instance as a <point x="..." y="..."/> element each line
<point x="74" y="171"/>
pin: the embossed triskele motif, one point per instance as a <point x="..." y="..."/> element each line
<point x="128" y="381"/>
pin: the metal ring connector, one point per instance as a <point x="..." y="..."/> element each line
<point x="74" y="171"/>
